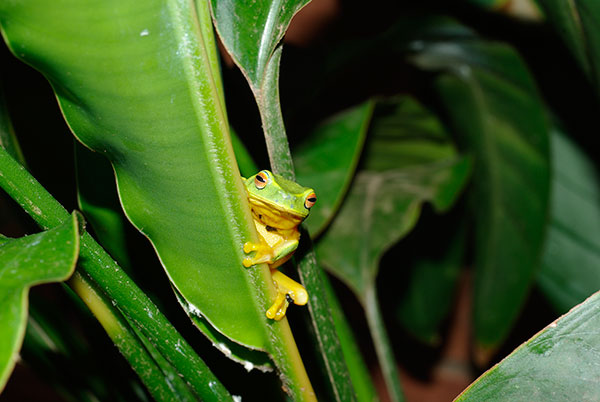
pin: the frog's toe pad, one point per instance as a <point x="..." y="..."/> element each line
<point x="249" y="246"/>
<point x="300" y="296"/>
<point x="248" y="262"/>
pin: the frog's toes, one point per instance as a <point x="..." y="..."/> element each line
<point x="278" y="309"/>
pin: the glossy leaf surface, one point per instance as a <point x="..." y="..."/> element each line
<point x="326" y="160"/>
<point x="571" y="262"/>
<point x="31" y="260"/>
<point x="495" y="110"/>
<point x="139" y="86"/>
<point x="560" y="363"/>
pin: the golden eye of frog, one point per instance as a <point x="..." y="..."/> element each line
<point x="278" y="207"/>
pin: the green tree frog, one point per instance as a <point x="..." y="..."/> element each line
<point x="278" y="207"/>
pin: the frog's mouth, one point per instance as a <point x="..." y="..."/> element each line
<point x="274" y="216"/>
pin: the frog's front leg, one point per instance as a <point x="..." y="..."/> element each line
<point x="273" y="255"/>
<point x="288" y="291"/>
<point x="263" y="253"/>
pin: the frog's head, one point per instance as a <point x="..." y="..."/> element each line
<point x="278" y="202"/>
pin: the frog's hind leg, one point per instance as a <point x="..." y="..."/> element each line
<point x="288" y="290"/>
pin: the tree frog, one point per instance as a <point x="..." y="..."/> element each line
<point x="278" y="207"/>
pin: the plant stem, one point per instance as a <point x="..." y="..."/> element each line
<point x="383" y="348"/>
<point x="111" y="279"/>
<point x="270" y="114"/>
<point x="163" y="386"/>
<point x="310" y="274"/>
<point x="313" y="278"/>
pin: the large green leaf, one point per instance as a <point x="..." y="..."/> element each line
<point x="140" y="84"/>
<point x="140" y="87"/>
<point x="571" y="262"/>
<point x="41" y="258"/>
<point x="494" y="108"/>
<point x="578" y="22"/>
<point x="326" y="160"/>
<point x="404" y="133"/>
<point x="560" y="363"/>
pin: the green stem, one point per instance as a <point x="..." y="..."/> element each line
<point x="102" y="269"/>
<point x="310" y="274"/>
<point x="160" y="379"/>
<point x="359" y="374"/>
<point x="272" y="120"/>
<point x="383" y="348"/>
<point x="314" y="279"/>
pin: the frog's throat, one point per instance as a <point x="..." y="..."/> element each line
<point x="272" y="215"/>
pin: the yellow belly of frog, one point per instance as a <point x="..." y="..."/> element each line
<point x="277" y="246"/>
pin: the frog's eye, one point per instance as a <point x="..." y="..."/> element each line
<point x="261" y="180"/>
<point x="310" y="200"/>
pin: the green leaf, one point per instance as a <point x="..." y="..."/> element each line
<point x="578" y="22"/>
<point x="560" y="363"/>
<point x="150" y="100"/>
<point x="571" y="256"/>
<point x="494" y="108"/>
<point x="380" y="209"/>
<point x="404" y="133"/>
<point x="252" y="31"/>
<point x="327" y="158"/>
<point x="32" y="260"/>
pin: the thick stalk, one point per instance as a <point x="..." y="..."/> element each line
<point x="162" y="382"/>
<point x="310" y="274"/>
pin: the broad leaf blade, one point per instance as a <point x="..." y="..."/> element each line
<point x="558" y="364"/>
<point x="41" y="258"/>
<point x="405" y="133"/>
<point x="570" y="266"/>
<point x="139" y="86"/>
<point x="495" y="109"/>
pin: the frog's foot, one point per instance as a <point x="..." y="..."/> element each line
<point x="290" y="287"/>
<point x="288" y="291"/>
<point x="264" y="253"/>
